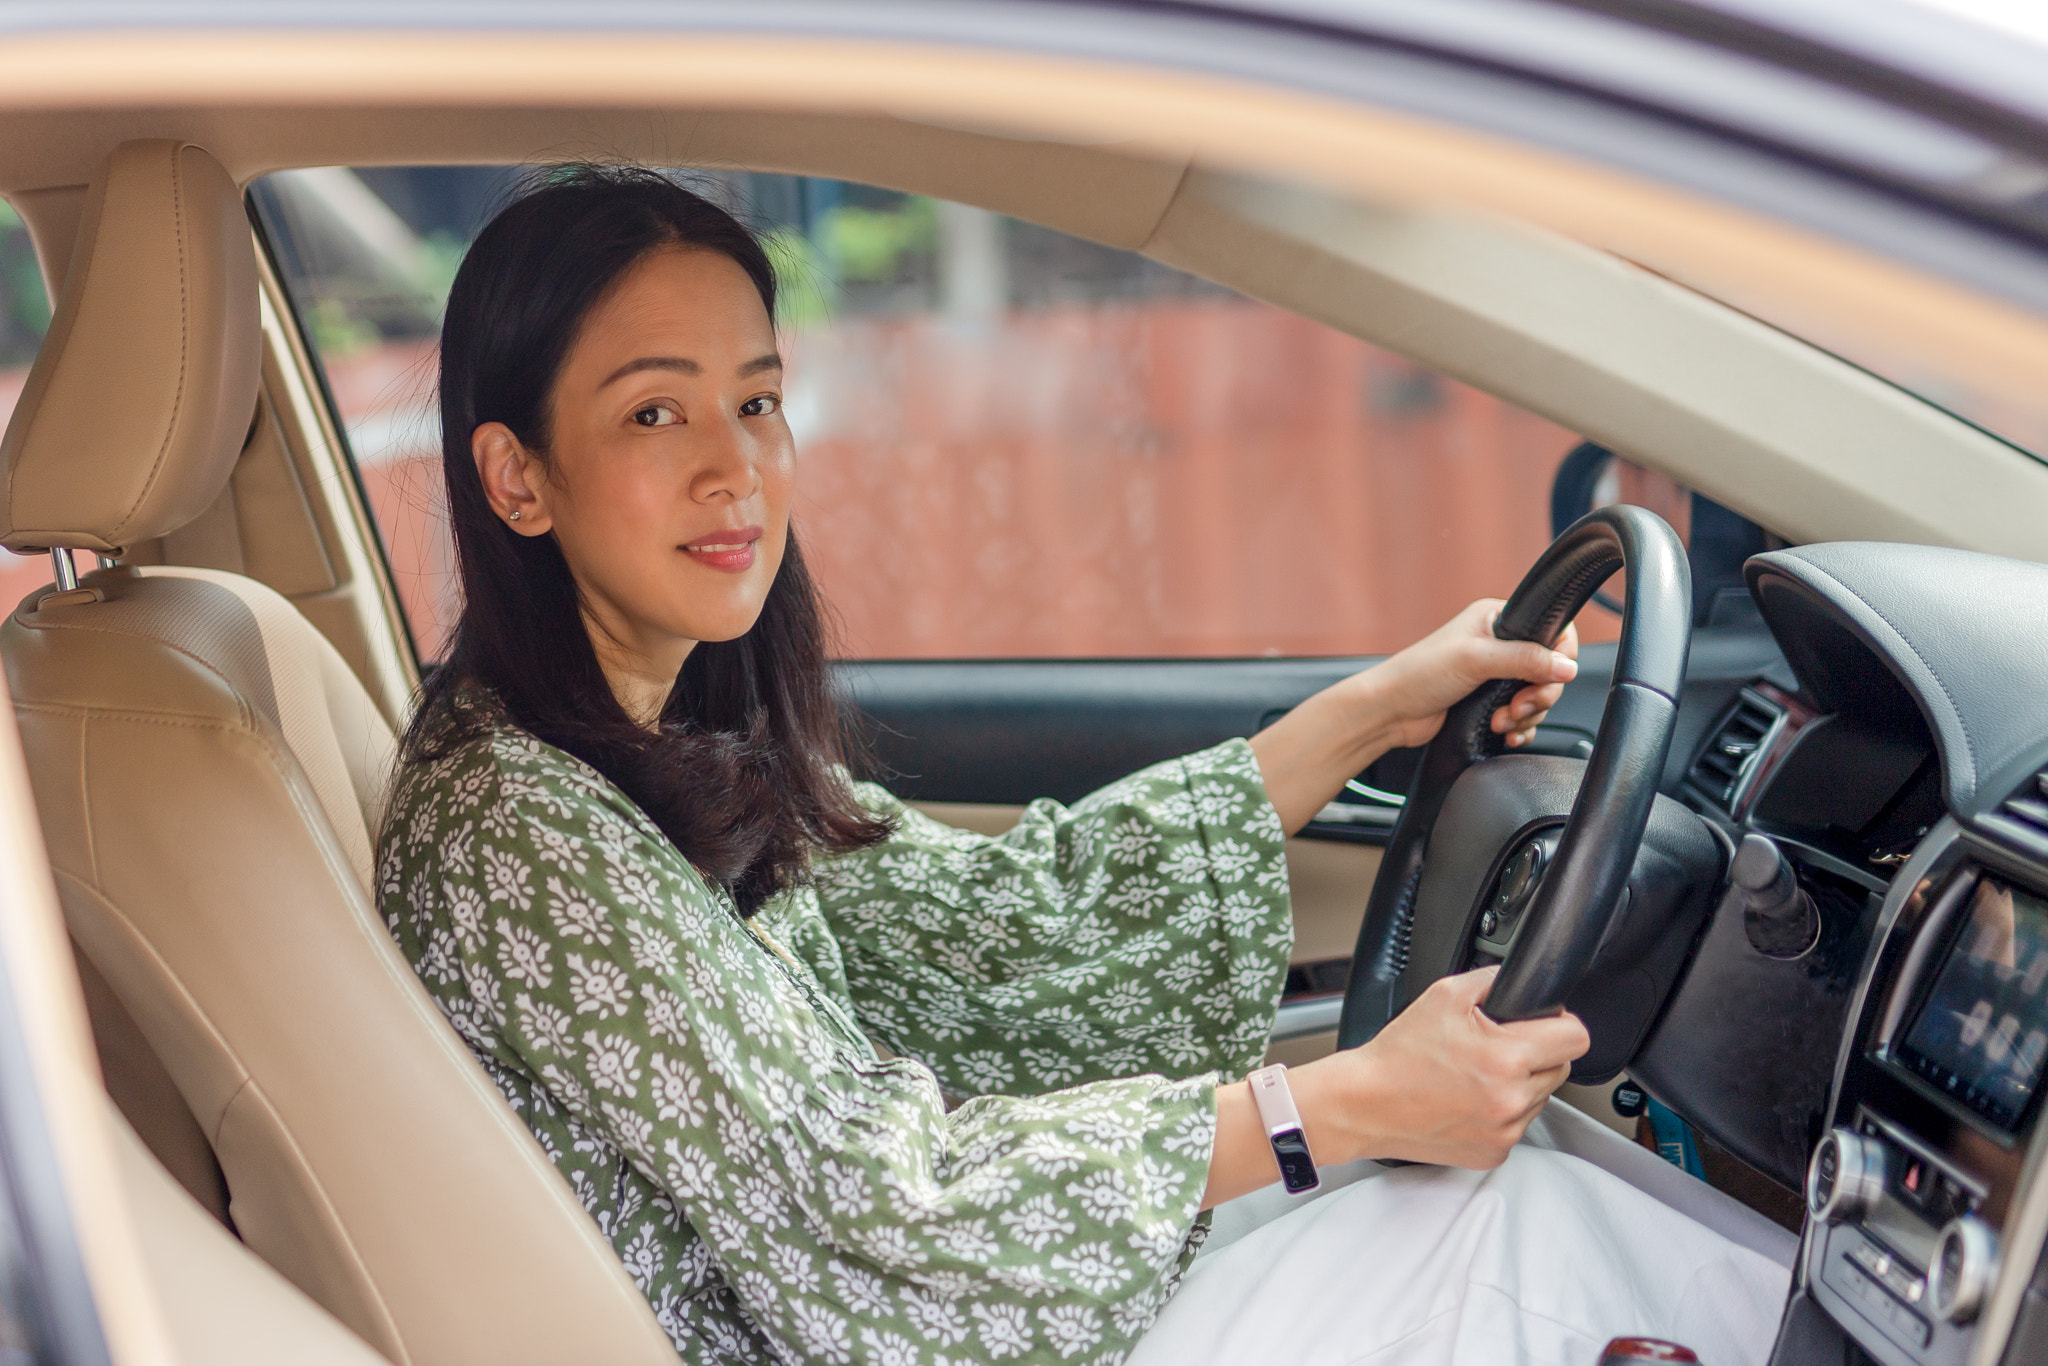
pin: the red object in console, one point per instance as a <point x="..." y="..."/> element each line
<point x="1624" y="1350"/>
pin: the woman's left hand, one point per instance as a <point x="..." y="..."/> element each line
<point x="1413" y="689"/>
<point x="1307" y="754"/>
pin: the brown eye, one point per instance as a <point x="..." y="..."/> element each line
<point x="656" y="415"/>
<point x="761" y="406"/>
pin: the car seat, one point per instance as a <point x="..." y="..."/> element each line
<point x="209" y="773"/>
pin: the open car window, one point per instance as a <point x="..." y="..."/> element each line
<point x="1014" y="443"/>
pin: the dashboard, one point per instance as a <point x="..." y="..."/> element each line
<point x="1894" y="1069"/>
<point x="1916" y="1189"/>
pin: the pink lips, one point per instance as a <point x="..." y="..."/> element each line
<point x="730" y="550"/>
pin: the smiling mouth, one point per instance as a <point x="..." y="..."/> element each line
<point x="732" y="551"/>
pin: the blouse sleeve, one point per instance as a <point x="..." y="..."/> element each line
<point x="1144" y="929"/>
<point x="853" y="1216"/>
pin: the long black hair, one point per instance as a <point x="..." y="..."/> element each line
<point x="741" y="772"/>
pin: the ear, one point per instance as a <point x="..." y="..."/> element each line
<point x="514" y="481"/>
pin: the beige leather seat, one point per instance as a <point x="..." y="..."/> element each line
<point x="208" y="773"/>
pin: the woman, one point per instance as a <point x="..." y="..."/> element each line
<point x="838" y="1083"/>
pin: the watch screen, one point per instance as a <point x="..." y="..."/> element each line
<point x="1297" y="1168"/>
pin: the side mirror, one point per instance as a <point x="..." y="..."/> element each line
<point x="1717" y="541"/>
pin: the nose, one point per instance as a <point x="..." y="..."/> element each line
<point x="728" y="468"/>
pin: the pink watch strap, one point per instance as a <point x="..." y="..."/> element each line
<point x="1284" y="1129"/>
<point x="1275" y="1101"/>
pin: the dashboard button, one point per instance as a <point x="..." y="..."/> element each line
<point x="1876" y="1299"/>
<point x="1521" y="874"/>
<point x="1911" y="1326"/>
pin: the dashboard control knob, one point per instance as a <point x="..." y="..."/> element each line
<point x="1965" y="1260"/>
<point x="1845" y="1177"/>
<point x="1777" y="914"/>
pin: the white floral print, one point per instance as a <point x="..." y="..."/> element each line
<point x="1012" y="1175"/>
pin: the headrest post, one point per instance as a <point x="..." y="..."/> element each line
<point x="108" y="561"/>
<point x="67" y="572"/>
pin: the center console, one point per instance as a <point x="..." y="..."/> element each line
<point x="1913" y="1188"/>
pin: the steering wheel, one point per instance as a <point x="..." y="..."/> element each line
<point x="1560" y="894"/>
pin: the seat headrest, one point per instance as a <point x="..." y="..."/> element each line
<point x="142" y="394"/>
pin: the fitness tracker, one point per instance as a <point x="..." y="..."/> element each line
<point x="1283" y="1128"/>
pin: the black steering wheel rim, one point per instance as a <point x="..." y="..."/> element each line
<point x="1612" y="809"/>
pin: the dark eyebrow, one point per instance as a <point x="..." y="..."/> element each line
<point x="684" y="365"/>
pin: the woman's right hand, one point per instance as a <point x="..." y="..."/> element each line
<point x="1443" y="1083"/>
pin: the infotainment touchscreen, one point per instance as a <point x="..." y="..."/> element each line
<point x="1982" y="1032"/>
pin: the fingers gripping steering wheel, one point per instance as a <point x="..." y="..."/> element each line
<point x="1562" y="928"/>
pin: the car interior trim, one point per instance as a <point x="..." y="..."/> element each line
<point x="224" y="1305"/>
<point x="1940" y="621"/>
<point x="55" y="1058"/>
<point x="1451" y="66"/>
<point x="1389" y="159"/>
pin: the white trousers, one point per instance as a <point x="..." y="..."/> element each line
<point x="1539" y="1262"/>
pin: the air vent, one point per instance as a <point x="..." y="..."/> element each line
<point x="2022" y="818"/>
<point x="1733" y="748"/>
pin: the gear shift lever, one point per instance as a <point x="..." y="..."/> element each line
<point x="1777" y="914"/>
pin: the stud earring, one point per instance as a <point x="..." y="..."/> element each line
<point x="515" y="514"/>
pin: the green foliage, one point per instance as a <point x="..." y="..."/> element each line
<point x="803" y="279"/>
<point x="349" y="316"/>
<point x="337" y="331"/>
<point x="28" y="303"/>
<point x="24" y="304"/>
<point x="433" y="270"/>
<point x="862" y="245"/>
<point x="868" y="244"/>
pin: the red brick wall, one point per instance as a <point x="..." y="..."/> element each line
<point x="1187" y="478"/>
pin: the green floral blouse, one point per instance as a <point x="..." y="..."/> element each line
<point x="780" y="1187"/>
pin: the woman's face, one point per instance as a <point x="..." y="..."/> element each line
<point x="671" y="469"/>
